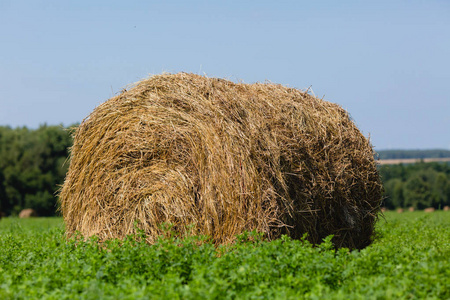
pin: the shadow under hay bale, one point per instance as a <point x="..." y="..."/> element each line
<point x="224" y="157"/>
<point x="27" y="213"/>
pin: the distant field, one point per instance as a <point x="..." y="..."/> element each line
<point x="411" y="160"/>
<point x="402" y="153"/>
<point x="408" y="260"/>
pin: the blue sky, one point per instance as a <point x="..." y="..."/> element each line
<point x="386" y="62"/>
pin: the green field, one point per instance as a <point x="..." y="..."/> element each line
<point x="410" y="259"/>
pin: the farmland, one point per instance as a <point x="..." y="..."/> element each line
<point x="412" y="160"/>
<point x="409" y="259"/>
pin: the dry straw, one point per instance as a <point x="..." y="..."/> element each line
<point x="223" y="158"/>
<point x="27" y="213"/>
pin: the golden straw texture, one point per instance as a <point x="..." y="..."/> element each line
<point x="222" y="157"/>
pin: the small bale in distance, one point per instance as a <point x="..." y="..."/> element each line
<point x="225" y="158"/>
<point x="411" y="209"/>
<point x="429" y="209"/>
<point x="27" y="213"/>
<point x="400" y="210"/>
<point x="446" y="208"/>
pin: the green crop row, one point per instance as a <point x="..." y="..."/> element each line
<point x="408" y="260"/>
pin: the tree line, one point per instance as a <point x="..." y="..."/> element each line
<point x="32" y="167"/>
<point x="33" y="164"/>
<point x="418" y="185"/>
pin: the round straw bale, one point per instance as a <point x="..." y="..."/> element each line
<point x="214" y="157"/>
<point x="27" y="213"/>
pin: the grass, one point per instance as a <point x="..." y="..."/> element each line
<point x="409" y="260"/>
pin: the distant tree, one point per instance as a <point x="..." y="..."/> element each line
<point x="441" y="190"/>
<point x="389" y="172"/>
<point x="31" y="167"/>
<point x="418" y="185"/>
<point x="418" y="189"/>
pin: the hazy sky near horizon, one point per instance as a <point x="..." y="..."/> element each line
<point x="386" y="62"/>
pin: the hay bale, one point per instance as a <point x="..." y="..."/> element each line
<point x="411" y="208"/>
<point x="446" y="208"/>
<point x="429" y="209"/>
<point x="27" y="213"/>
<point x="225" y="157"/>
